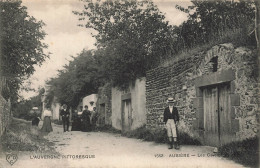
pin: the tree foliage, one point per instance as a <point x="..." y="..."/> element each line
<point x="23" y="108"/>
<point x="21" y="45"/>
<point x="213" y="20"/>
<point x="133" y="37"/>
<point x="133" y="34"/>
<point x="79" y="78"/>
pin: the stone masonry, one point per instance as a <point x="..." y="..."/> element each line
<point x="183" y="81"/>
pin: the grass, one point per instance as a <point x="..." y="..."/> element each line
<point x="245" y="152"/>
<point x="238" y="37"/>
<point x="156" y="135"/>
<point x="107" y="128"/>
<point x="20" y="137"/>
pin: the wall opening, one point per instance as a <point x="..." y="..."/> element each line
<point x="126" y="115"/>
<point x="214" y="63"/>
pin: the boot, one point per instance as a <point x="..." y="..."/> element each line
<point x="176" y="145"/>
<point x="170" y="143"/>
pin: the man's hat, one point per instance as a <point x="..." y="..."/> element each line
<point x="170" y="100"/>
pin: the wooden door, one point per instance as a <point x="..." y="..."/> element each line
<point x="211" y="116"/>
<point x="217" y="115"/>
<point x="226" y="134"/>
<point x="126" y="115"/>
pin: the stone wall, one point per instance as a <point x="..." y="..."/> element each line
<point x="104" y="105"/>
<point x="171" y="81"/>
<point x="5" y="114"/>
<point x="184" y="79"/>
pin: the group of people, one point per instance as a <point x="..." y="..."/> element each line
<point x="85" y="120"/>
<point x="82" y="120"/>
<point x="46" y="127"/>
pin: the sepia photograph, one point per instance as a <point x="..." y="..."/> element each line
<point x="129" y="83"/>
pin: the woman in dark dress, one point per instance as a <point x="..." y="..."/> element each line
<point x="46" y="127"/>
<point x="85" y="117"/>
<point x="76" y="123"/>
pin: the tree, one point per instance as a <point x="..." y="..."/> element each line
<point x="78" y="79"/>
<point x="257" y="23"/>
<point x="21" y="46"/>
<point x="23" y="108"/>
<point x="214" y="20"/>
<point x="133" y="34"/>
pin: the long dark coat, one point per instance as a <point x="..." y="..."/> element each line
<point x="85" y="125"/>
<point x="76" y="123"/>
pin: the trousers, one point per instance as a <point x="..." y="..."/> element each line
<point x="65" y="122"/>
<point x="171" y="128"/>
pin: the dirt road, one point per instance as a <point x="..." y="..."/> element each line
<point x="98" y="149"/>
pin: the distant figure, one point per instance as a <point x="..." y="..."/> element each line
<point x="85" y="125"/>
<point x="80" y="116"/>
<point x="46" y="127"/>
<point x="76" y="123"/>
<point x="35" y="120"/>
<point x="65" y="114"/>
<point x="94" y="118"/>
<point x="80" y="110"/>
<point x="35" y="123"/>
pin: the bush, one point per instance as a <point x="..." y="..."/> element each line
<point x="107" y="128"/>
<point x="245" y="152"/>
<point x="160" y="136"/>
<point x="140" y="133"/>
<point x="186" y="139"/>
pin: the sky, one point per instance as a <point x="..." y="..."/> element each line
<point x="65" y="39"/>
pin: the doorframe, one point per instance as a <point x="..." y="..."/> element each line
<point x="216" y="78"/>
<point x="124" y="97"/>
<point x="218" y="88"/>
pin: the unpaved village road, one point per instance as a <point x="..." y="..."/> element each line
<point x="113" y="150"/>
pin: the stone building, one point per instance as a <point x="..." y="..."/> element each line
<point x="104" y="105"/>
<point x="128" y="106"/>
<point x="90" y="101"/>
<point x="216" y="94"/>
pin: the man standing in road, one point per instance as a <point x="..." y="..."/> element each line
<point x="64" y="113"/>
<point x="171" y="119"/>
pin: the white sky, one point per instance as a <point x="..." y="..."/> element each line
<point x="65" y="38"/>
